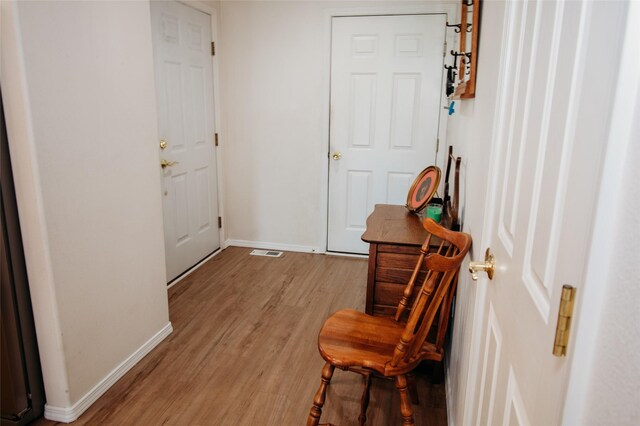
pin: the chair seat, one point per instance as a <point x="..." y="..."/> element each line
<point x="350" y="338"/>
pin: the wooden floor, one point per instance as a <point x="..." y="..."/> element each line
<point x="243" y="350"/>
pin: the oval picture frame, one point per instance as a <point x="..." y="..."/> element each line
<point x="423" y="188"/>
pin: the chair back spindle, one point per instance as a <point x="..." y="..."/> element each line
<point x="408" y="290"/>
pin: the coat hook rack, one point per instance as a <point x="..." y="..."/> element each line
<point x="465" y="85"/>
<point x="467" y="57"/>
<point x="467" y="62"/>
<point x="456" y="54"/>
<point x="457" y="27"/>
<point x="455" y="60"/>
<point x="450" y="68"/>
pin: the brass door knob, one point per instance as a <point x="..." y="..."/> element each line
<point x="164" y="163"/>
<point x="337" y="155"/>
<point x="488" y="265"/>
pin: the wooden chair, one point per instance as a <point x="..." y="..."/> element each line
<point x="368" y="345"/>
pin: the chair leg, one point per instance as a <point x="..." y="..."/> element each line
<point x="364" y="401"/>
<point x="413" y="391"/>
<point x="405" y="401"/>
<point x="318" y="399"/>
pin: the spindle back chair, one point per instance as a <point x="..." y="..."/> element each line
<point x="354" y="341"/>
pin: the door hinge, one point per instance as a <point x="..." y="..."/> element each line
<point x="213" y="48"/>
<point x="215" y="139"/>
<point x="220" y="222"/>
<point x="565" y="314"/>
<point x="437" y="145"/>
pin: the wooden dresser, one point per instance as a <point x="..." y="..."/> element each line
<point x="394" y="236"/>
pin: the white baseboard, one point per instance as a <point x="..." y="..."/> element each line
<point x="340" y="254"/>
<point x="271" y="246"/>
<point x="196" y="266"/>
<point x="70" y="414"/>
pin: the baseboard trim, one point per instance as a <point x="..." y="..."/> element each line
<point x="271" y="246"/>
<point x="340" y="254"/>
<point x="70" y="414"/>
<point x="194" y="267"/>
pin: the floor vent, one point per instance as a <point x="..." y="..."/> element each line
<point x="268" y="253"/>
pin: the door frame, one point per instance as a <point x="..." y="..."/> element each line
<point x="620" y="138"/>
<point x="591" y="292"/>
<point x="448" y="9"/>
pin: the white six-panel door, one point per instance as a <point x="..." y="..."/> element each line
<point x="547" y="151"/>
<point x="184" y="90"/>
<point x="386" y="77"/>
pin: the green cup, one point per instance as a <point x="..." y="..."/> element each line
<point x="434" y="211"/>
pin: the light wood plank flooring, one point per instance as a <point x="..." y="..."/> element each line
<point x="243" y="350"/>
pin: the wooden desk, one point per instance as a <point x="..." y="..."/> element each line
<point x="394" y="236"/>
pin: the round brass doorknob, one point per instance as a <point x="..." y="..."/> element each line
<point x="164" y="163"/>
<point x="337" y="155"/>
<point x="487" y="266"/>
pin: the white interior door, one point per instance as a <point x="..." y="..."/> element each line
<point x="386" y="92"/>
<point x="545" y="174"/>
<point x="184" y="91"/>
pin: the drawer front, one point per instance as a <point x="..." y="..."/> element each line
<point x="398" y="276"/>
<point x="390" y="294"/>
<point x="390" y="270"/>
<point x="391" y="248"/>
<point x="384" y="310"/>
<point x="397" y="261"/>
<point x="394" y="248"/>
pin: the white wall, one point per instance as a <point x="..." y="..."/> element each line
<point x="81" y="116"/>
<point x="606" y="368"/>
<point x="274" y="71"/>
<point x="614" y="379"/>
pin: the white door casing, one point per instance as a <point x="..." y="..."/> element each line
<point x="184" y="91"/>
<point x="546" y="157"/>
<point x="386" y="92"/>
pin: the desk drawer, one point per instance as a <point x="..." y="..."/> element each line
<point x="397" y="276"/>
<point x="397" y="261"/>
<point x="390" y="294"/>
<point x="384" y="310"/>
<point x="392" y="248"/>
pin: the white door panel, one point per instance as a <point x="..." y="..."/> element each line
<point x="386" y="74"/>
<point x="184" y="90"/>
<point x="544" y="197"/>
